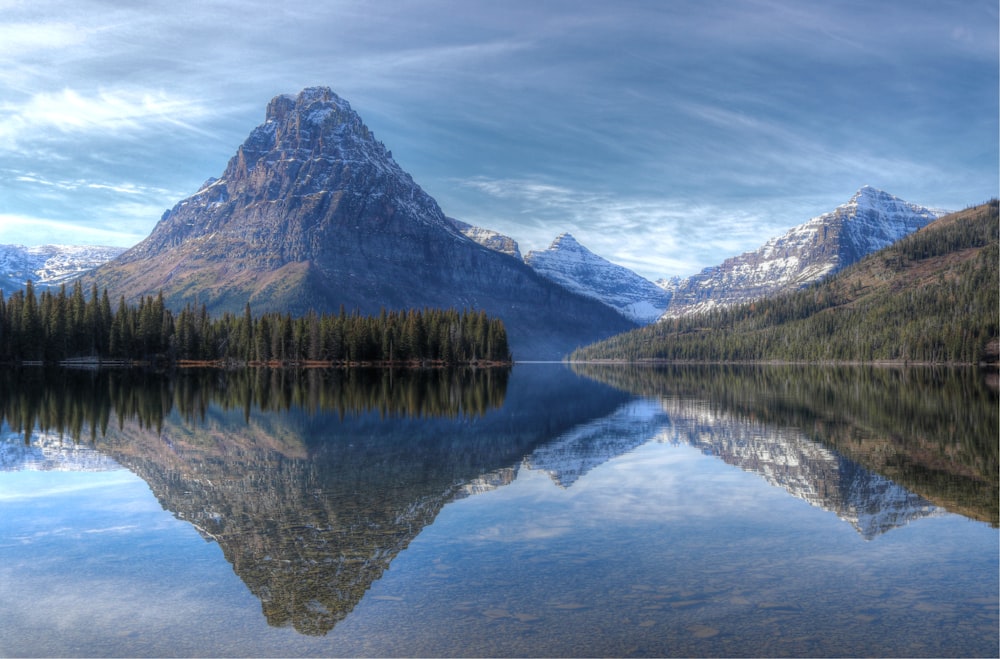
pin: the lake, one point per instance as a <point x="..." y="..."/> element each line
<point x="543" y="510"/>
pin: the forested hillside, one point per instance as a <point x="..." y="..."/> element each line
<point x="931" y="297"/>
<point x="55" y="327"/>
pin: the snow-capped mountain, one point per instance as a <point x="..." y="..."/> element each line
<point x="871" y="220"/>
<point x="573" y="266"/>
<point x="48" y="266"/>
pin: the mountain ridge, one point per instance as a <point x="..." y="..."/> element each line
<point x="871" y="220"/>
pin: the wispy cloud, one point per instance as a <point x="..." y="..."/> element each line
<point x="33" y="230"/>
<point x="110" y="113"/>
<point x="20" y="38"/>
<point x="44" y="485"/>
<point x="125" y="187"/>
<point x="657" y="237"/>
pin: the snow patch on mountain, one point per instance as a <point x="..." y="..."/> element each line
<point x="573" y="266"/>
<point x="488" y="238"/>
<point x="49" y="266"/>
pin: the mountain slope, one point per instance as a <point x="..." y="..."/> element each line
<point x="871" y="220"/>
<point x="570" y="264"/>
<point x="49" y="265"/>
<point x="930" y="297"/>
<point x="313" y="213"/>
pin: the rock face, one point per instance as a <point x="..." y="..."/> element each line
<point x="49" y="266"/>
<point x="871" y="220"/>
<point x="570" y="264"/>
<point x="313" y="213"/>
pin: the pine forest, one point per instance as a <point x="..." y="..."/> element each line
<point x="68" y="326"/>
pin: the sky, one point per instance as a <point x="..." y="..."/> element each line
<point x="665" y="136"/>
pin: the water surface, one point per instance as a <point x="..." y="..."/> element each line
<point x="537" y="512"/>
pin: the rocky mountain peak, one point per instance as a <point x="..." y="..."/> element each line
<point x="867" y="192"/>
<point x="315" y="124"/>
<point x="281" y="106"/>
<point x="312" y="155"/>
<point x="488" y="238"/>
<point x="566" y="241"/>
<point x="869" y="199"/>
<point x="312" y="212"/>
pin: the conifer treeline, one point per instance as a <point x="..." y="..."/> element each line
<point x="52" y="327"/>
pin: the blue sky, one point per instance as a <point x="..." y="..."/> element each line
<point x="665" y="136"/>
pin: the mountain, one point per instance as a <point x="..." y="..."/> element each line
<point x="570" y="264"/>
<point x="930" y="297"/>
<point x="49" y="266"/>
<point x="489" y="238"/>
<point x="871" y="220"/>
<point x="313" y="213"/>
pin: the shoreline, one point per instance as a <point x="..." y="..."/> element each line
<point x="97" y="363"/>
<point x="782" y="362"/>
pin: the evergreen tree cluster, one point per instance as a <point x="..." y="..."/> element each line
<point x="53" y="327"/>
<point x="931" y="297"/>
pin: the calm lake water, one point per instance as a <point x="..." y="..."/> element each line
<point x="540" y="511"/>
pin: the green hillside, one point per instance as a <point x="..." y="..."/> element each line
<point x="932" y="297"/>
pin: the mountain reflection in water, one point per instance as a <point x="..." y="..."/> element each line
<point x="312" y="482"/>
<point x="866" y="433"/>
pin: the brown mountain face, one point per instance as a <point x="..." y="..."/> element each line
<point x="313" y="213"/>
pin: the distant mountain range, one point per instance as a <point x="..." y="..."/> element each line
<point x="313" y="213"/>
<point x="49" y="266"/>
<point x="869" y="221"/>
